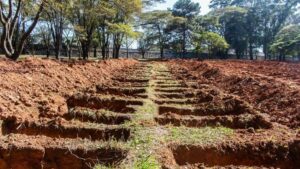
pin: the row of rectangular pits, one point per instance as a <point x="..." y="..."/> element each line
<point x="179" y="108"/>
<point x="93" y="119"/>
<point x="95" y="101"/>
<point x="56" y="157"/>
<point x="97" y="116"/>
<point x="41" y="152"/>
<point x="137" y="74"/>
<point x="261" y="154"/>
<point x="206" y="107"/>
<point x="69" y="129"/>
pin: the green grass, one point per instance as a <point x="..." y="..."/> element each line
<point x="147" y="162"/>
<point x="200" y="136"/>
<point x="145" y="137"/>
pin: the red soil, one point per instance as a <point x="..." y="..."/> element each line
<point x="276" y="93"/>
<point x="35" y="86"/>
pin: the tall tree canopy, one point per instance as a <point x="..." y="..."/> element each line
<point x="157" y="22"/>
<point x="245" y="26"/>
<point x="287" y="42"/>
<point x="257" y="27"/>
<point x="188" y="10"/>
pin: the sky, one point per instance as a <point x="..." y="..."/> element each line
<point x="169" y="4"/>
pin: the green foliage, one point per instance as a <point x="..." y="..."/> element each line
<point x="186" y="9"/>
<point x="123" y="28"/>
<point x="180" y="29"/>
<point x="234" y="26"/>
<point x="157" y="24"/>
<point x="245" y="25"/>
<point x="212" y="42"/>
<point x="219" y="3"/>
<point x="206" y="37"/>
<point x="205" y="23"/>
<point x="287" y="41"/>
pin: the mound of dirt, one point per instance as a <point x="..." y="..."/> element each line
<point x="34" y="87"/>
<point x="272" y="95"/>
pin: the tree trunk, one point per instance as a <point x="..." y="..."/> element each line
<point x="237" y="53"/>
<point x="251" y="51"/>
<point x="107" y="51"/>
<point x="265" y="51"/>
<point x="67" y="50"/>
<point x="184" y="44"/>
<point x="118" y="47"/>
<point x="114" y="52"/>
<point x="48" y="51"/>
<point x="95" y="51"/>
<point x="103" y="51"/>
<point x="9" y="22"/>
<point x="85" y="50"/>
<point x="161" y="52"/>
<point x="57" y="48"/>
<point x="70" y="52"/>
<point x="127" y="52"/>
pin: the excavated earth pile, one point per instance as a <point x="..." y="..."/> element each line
<point x="61" y="124"/>
<point x="150" y="114"/>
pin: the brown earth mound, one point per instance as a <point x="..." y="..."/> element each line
<point x="33" y="86"/>
<point x="278" y="98"/>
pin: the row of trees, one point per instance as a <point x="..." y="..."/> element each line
<point x="58" y="23"/>
<point x="253" y="24"/>
<point x="246" y="26"/>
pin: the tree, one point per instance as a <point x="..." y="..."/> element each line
<point x="43" y="37"/>
<point x="128" y="43"/>
<point x="84" y="15"/>
<point x="10" y="12"/>
<point x="103" y="36"/>
<point x="235" y="32"/>
<point x="56" y="16"/>
<point x="69" y="40"/>
<point x="253" y="29"/>
<point x="120" y="25"/>
<point x="271" y="15"/>
<point x="188" y="10"/>
<point x="274" y="15"/>
<point x="287" y="42"/>
<point x="120" y="31"/>
<point x="263" y="20"/>
<point x="145" y="43"/>
<point x="210" y="42"/>
<point x="157" y="22"/>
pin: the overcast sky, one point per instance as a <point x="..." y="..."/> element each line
<point x="169" y="4"/>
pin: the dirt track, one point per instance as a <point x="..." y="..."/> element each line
<point x="176" y="114"/>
